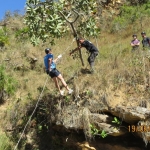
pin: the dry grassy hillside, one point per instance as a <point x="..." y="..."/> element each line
<point x="122" y="75"/>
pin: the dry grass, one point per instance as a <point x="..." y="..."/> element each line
<point x="119" y="75"/>
<point x="114" y="54"/>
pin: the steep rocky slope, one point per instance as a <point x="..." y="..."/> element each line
<point x="109" y="109"/>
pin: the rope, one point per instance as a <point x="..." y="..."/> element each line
<point x="69" y="46"/>
<point x="31" y="115"/>
<point x="37" y="104"/>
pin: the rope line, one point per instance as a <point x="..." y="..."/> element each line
<point x="69" y="46"/>
<point x="31" y="115"/>
<point x="37" y="103"/>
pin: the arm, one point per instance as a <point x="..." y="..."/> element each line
<point x="149" y="41"/>
<point x="136" y="43"/>
<point x="49" y="66"/>
<point x="49" y="63"/>
<point x="55" y="60"/>
<point x="132" y="44"/>
<point x="76" y="49"/>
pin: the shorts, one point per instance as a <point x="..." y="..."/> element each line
<point x="92" y="57"/>
<point x="54" y="73"/>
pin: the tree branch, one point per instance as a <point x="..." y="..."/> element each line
<point x="69" y="15"/>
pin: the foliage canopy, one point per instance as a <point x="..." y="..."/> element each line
<point x="45" y="21"/>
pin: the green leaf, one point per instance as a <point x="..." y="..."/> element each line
<point x="115" y="119"/>
<point x="54" y="23"/>
<point x="40" y="127"/>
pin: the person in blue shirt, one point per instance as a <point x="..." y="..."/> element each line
<point x="50" y="66"/>
<point x="90" y="47"/>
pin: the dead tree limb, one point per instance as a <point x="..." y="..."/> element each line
<point x="74" y="31"/>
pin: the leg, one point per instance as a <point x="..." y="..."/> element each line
<point x="59" y="76"/>
<point x="91" y="60"/>
<point x="56" y="83"/>
<point x="63" y="81"/>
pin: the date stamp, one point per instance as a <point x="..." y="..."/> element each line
<point x="139" y="128"/>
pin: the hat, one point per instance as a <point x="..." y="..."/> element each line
<point x="143" y="32"/>
<point x="47" y="50"/>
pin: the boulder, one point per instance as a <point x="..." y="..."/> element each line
<point x="143" y="130"/>
<point x="131" y="115"/>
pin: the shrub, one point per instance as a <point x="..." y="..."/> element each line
<point x="3" y="38"/>
<point x="129" y="14"/>
<point x="7" y="84"/>
<point x="4" y="142"/>
<point x="22" y="34"/>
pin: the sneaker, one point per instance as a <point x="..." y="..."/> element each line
<point x="92" y="71"/>
<point x="62" y="93"/>
<point x="70" y="91"/>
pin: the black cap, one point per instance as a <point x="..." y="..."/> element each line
<point x="47" y="50"/>
<point x="143" y="32"/>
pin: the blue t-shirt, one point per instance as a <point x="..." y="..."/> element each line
<point x="46" y="62"/>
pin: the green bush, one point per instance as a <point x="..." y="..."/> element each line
<point x="4" y="142"/>
<point x="118" y="24"/>
<point x="7" y="84"/>
<point x="22" y="34"/>
<point x="129" y="15"/>
<point x="3" y="38"/>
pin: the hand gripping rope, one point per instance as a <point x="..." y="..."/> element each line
<point x="59" y="56"/>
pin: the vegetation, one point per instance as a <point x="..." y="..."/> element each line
<point x="49" y="20"/>
<point x="118" y="71"/>
<point x="7" y="84"/>
<point x="5" y="143"/>
<point x="130" y="15"/>
<point x="3" y="37"/>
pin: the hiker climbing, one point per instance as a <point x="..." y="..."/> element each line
<point x="50" y="66"/>
<point x="145" y="41"/>
<point x="90" y="48"/>
<point x="135" y="43"/>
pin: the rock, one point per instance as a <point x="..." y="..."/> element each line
<point x="100" y="118"/>
<point x="83" y="118"/>
<point x="131" y="114"/>
<point x="95" y="105"/>
<point x="9" y="127"/>
<point x="84" y="146"/>
<point x="72" y="116"/>
<point x="144" y="130"/>
<point x="110" y="129"/>
<point x="19" y="67"/>
<point x="104" y="146"/>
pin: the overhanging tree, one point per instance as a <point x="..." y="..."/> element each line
<point x="48" y="19"/>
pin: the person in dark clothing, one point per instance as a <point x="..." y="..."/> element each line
<point x="135" y="43"/>
<point x="90" y="48"/>
<point x="145" y="41"/>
